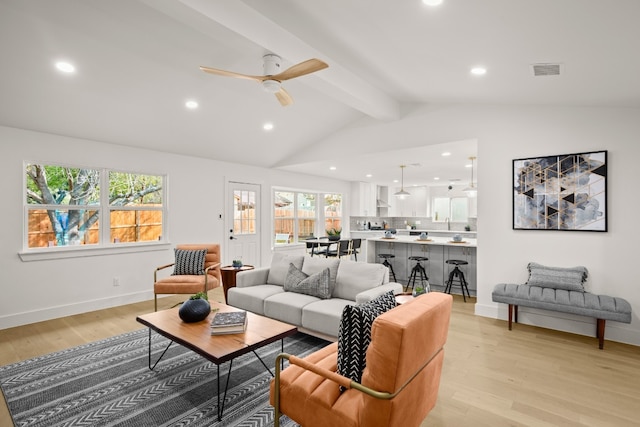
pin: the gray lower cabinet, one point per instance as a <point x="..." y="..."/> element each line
<point x="437" y="268"/>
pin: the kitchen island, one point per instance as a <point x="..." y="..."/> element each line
<point x="437" y="249"/>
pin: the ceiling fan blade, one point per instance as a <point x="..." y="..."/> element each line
<point x="284" y="97"/>
<point x="301" y="69"/>
<point x="231" y="74"/>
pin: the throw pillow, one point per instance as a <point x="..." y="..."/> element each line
<point x="280" y="266"/>
<point x="316" y="285"/>
<point x="189" y="262"/>
<point x="354" y="334"/>
<point x="570" y="279"/>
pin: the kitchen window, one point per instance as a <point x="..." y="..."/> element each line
<point x="79" y="207"/>
<point x="453" y="209"/>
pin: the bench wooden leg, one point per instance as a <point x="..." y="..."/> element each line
<point x="600" y="332"/>
<point x="511" y="314"/>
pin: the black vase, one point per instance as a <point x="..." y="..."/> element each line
<point x="334" y="238"/>
<point x="194" y="310"/>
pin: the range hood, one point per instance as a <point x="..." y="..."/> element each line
<point x="382" y="204"/>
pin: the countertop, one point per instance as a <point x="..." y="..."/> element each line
<point x="441" y="241"/>
<point x="418" y="230"/>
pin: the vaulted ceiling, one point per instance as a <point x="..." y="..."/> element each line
<point x="137" y="64"/>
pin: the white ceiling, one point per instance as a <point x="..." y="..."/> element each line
<point x="137" y="63"/>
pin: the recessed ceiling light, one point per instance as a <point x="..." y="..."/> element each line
<point x="479" y="71"/>
<point x="468" y="166"/>
<point x="65" y="67"/>
<point x="192" y="105"/>
<point x="395" y="180"/>
<point x="267" y="126"/>
<point x="432" y="2"/>
<point x="332" y="168"/>
<point x="436" y="178"/>
<point x="446" y="153"/>
<point x="368" y="175"/>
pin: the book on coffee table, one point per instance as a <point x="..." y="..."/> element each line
<point x="234" y="322"/>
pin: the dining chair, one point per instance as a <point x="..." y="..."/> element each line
<point x="343" y="248"/>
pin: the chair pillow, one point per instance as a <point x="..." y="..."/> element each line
<point x="570" y="279"/>
<point x="354" y="334"/>
<point x="317" y="285"/>
<point x="189" y="262"/>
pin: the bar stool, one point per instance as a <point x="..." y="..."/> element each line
<point x="386" y="263"/>
<point x="418" y="269"/>
<point x="457" y="274"/>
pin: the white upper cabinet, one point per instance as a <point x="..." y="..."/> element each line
<point x="414" y="205"/>
<point x="363" y="199"/>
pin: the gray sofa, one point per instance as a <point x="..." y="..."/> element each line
<point x="261" y="291"/>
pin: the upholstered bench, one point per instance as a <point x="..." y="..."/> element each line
<point x="601" y="307"/>
<point x="562" y="290"/>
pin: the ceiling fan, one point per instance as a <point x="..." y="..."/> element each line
<point x="273" y="77"/>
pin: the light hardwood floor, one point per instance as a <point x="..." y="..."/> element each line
<point x="491" y="376"/>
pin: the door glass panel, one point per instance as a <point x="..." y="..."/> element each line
<point x="244" y="212"/>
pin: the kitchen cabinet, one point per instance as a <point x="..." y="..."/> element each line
<point x="363" y="199"/>
<point x="414" y="205"/>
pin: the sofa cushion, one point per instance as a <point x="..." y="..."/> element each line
<point x="354" y="334"/>
<point x="287" y="306"/>
<point x="189" y="262"/>
<point x="312" y="265"/>
<point x="252" y="298"/>
<point x="316" y="285"/>
<point x="570" y="279"/>
<point x="324" y="315"/>
<point x="355" y="277"/>
<point x="280" y="266"/>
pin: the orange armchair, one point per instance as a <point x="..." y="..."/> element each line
<point x="190" y="284"/>
<point x="400" y="381"/>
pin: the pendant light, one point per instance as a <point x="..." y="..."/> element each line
<point x="402" y="193"/>
<point x="471" y="190"/>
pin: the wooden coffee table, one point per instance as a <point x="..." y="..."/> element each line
<point x="217" y="349"/>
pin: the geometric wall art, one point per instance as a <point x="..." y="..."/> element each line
<point x="566" y="192"/>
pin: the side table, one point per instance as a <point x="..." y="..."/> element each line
<point x="229" y="276"/>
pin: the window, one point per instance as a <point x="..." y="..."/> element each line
<point x="67" y="206"/>
<point x="297" y="214"/>
<point x="333" y="211"/>
<point x="453" y="209"/>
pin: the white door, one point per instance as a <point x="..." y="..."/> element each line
<point x="243" y="223"/>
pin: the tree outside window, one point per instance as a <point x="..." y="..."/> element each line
<point x="65" y="206"/>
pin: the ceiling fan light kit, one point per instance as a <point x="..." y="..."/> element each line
<point x="273" y="77"/>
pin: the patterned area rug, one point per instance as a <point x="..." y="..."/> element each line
<point x="108" y="383"/>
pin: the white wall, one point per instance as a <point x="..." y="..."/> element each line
<point x="505" y="133"/>
<point x="40" y="290"/>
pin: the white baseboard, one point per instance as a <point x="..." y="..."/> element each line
<point x="27" y="317"/>
<point x="581" y="325"/>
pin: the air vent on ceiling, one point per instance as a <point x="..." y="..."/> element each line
<point x="546" y="69"/>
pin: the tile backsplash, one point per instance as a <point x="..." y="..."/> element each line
<point x="420" y="223"/>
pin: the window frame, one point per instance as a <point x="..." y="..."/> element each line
<point x="319" y="218"/>
<point x="104" y="246"/>
<point x="450" y="210"/>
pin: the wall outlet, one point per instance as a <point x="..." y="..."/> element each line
<point x="417" y="222"/>
<point x="116" y="281"/>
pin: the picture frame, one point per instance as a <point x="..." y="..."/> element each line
<point x="566" y="192"/>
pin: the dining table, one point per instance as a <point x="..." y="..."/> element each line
<point x="315" y="243"/>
